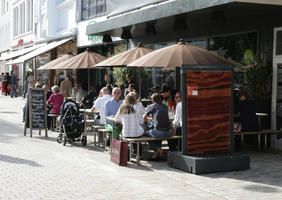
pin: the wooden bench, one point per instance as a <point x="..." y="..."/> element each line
<point x="53" y="117"/>
<point x="105" y="133"/>
<point x="140" y="140"/>
<point x="259" y="133"/>
<point x="95" y="129"/>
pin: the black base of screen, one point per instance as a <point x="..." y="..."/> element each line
<point x="201" y="164"/>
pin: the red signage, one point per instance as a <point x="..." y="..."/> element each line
<point x="20" y="42"/>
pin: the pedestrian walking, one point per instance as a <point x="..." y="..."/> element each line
<point x="7" y="81"/>
<point x="14" y="80"/>
<point x="2" y="83"/>
<point x="29" y="82"/>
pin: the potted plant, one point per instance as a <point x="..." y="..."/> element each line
<point x="259" y="82"/>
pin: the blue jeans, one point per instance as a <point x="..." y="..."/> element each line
<point x="25" y="91"/>
<point x="14" y="91"/>
<point x="24" y="111"/>
<point x="155" y="145"/>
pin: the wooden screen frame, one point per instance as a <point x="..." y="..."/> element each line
<point x="210" y="68"/>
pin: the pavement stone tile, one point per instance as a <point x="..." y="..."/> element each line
<point x="40" y="168"/>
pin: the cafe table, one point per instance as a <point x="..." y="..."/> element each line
<point x="146" y="102"/>
<point x="260" y="116"/>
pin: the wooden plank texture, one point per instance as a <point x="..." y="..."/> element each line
<point x="208" y="111"/>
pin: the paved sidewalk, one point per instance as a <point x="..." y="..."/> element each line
<point x="40" y="168"/>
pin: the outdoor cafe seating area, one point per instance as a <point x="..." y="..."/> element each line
<point x="101" y="138"/>
<point x="204" y="74"/>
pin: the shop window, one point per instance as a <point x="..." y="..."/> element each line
<point x="279" y="43"/>
<point x="241" y="48"/>
<point x="29" y="20"/>
<point x="92" y="8"/>
<point x="15" y="19"/>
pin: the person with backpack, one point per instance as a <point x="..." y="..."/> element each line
<point x="7" y="81"/>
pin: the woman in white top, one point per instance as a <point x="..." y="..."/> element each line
<point x="131" y="120"/>
<point x="138" y="106"/>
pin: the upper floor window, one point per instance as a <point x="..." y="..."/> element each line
<point x="92" y="8"/>
<point x="22" y="18"/>
<point x="3" y="7"/>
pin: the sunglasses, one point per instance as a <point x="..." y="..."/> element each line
<point x="116" y="92"/>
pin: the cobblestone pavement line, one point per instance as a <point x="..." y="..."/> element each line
<point x="40" y="168"/>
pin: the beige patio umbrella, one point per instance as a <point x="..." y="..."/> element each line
<point x="126" y="57"/>
<point x="85" y="60"/>
<point x="179" y="54"/>
<point x="55" y="62"/>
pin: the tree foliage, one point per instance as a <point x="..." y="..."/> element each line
<point x="259" y="79"/>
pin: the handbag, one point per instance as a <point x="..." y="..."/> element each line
<point x="119" y="152"/>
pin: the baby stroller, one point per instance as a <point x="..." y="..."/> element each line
<point x="72" y="126"/>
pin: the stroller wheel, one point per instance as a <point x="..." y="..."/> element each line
<point x="65" y="140"/>
<point x="60" y="138"/>
<point x="84" y="140"/>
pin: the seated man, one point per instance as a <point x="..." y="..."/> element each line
<point x="177" y="123"/>
<point x="47" y="91"/>
<point x="111" y="109"/>
<point x="131" y="88"/>
<point x="247" y="110"/>
<point x="166" y="97"/>
<point x="99" y="104"/>
<point x="248" y="118"/>
<point x="159" y="113"/>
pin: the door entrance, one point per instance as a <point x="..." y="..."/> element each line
<point x="276" y="104"/>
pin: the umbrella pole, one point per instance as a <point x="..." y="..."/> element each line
<point x="139" y="82"/>
<point x="88" y="80"/>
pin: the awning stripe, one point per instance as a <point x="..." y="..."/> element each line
<point x="39" y="51"/>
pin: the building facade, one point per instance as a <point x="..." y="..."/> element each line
<point x="33" y="25"/>
<point x="5" y="30"/>
<point x="242" y="30"/>
<point x="90" y="12"/>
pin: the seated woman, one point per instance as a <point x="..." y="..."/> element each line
<point x="131" y="120"/>
<point x="138" y="106"/>
<point x="56" y="100"/>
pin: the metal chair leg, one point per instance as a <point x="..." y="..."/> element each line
<point x="130" y="151"/>
<point x="138" y="154"/>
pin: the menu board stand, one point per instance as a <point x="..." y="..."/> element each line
<point x="207" y="122"/>
<point x="36" y="116"/>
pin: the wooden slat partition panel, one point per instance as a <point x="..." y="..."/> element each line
<point x="208" y="111"/>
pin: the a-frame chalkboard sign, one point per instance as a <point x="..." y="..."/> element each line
<point x="36" y="116"/>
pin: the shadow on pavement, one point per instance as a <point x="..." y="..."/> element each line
<point x="260" y="188"/>
<point x="15" y="160"/>
<point x="42" y="137"/>
<point x="265" y="169"/>
<point x="8" y="112"/>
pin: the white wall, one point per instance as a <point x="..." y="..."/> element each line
<point x="27" y="33"/>
<point x="57" y="18"/>
<point x="5" y="30"/>
<point x="5" y="25"/>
